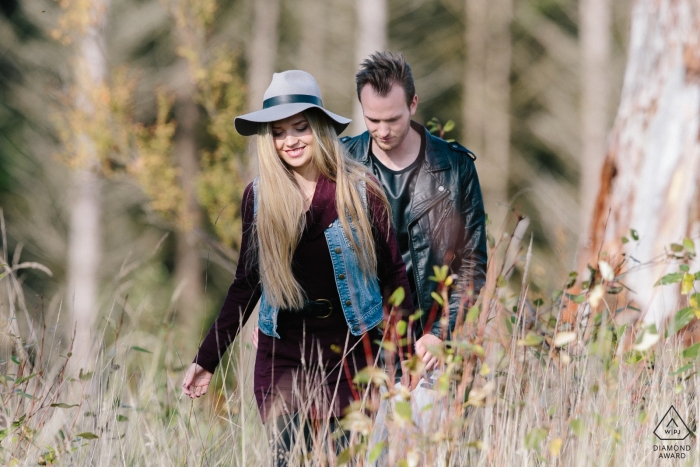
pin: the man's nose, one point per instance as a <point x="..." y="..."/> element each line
<point x="383" y="129"/>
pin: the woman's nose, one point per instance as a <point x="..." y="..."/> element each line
<point x="291" y="141"/>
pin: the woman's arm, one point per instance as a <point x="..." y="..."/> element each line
<point x="241" y="299"/>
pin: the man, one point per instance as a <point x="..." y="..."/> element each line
<point x="433" y="189"/>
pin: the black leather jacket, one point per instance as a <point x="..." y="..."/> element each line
<point x="447" y="222"/>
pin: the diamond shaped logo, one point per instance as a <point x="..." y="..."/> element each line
<point x="672" y="427"/>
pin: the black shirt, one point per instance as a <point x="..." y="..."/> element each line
<point x="398" y="185"/>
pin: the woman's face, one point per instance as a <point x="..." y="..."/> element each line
<point x="293" y="141"/>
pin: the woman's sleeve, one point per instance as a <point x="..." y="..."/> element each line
<point x="391" y="270"/>
<point x="241" y="299"/>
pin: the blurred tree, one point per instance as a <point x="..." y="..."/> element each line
<point x="486" y="105"/>
<point x="650" y="180"/>
<point x="262" y="51"/>
<point x="83" y="25"/>
<point x="595" y="37"/>
<point x="370" y="36"/>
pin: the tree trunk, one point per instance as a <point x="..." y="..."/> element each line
<point x="85" y="233"/>
<point x="650" y="180"/>
<point x="263" y="50"/>
<point x="371" y="36"/>
<point x="188" y="264"/>
<point x="595" y="41"/>
<point x="486" y="108"/>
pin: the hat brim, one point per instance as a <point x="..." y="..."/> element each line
<point x="248" y="124"/>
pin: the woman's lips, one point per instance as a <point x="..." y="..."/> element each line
<point x="296" y="152"/>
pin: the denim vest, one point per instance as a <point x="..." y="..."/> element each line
<point x="360" y="296"/>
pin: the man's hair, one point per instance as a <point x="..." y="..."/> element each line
<point x="381" y="70"/>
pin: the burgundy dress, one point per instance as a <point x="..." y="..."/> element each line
<point x="307" y="346"/>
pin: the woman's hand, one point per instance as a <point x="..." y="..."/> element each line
<point x="254" y="337"/>
<point x="196" y="381"/>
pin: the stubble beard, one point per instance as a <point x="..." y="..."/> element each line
<point x="399" y="139"/>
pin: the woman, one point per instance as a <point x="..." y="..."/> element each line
<point x="316" y="273"/>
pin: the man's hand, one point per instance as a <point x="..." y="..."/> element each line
<point x="422" y="345"/>
<point x="196" y="381"/>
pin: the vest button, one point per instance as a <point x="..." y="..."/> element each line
<point x="356" y="328"/>
<point x="441" y="188"/>
<point x="338" y="250"/>
<point x="348" y="303"/>
<point x="341" y="276"/>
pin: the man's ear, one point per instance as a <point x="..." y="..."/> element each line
<point x="414" y="105"/>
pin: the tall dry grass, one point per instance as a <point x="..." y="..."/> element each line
<point x="517" y="387"/>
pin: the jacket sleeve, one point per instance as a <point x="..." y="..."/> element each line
<point x="241" y="299"/>
<point x="471" y="254"/>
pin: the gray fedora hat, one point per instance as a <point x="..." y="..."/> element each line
<point x="289" y="93"/>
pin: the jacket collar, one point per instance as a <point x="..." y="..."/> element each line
<point x="434" y="161"/>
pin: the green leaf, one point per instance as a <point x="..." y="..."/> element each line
<point x="689" y="245"/>
<point x="401" y="327"/>
<point x="680" y="320"/>
<point x="531" y="340"/>
<point x="625" y="240"/>
<point x="87" y="435"/>
<point x="24" y="394"/>
<point x="509" y="325"/>
<point x="676" y="248"/>
<point x="24" y="379"/>
<point x="534" y="438"/>
<point x="634" y="235"/>
<point x="687" y="284"/>
<point x="437" y="298"/>
<point x="376" y="451"/>
<point x="538" y="302"/>
<point x="61" y="405"/>
<point x="397" y="297"/>
<point x="14" y="359"/>
<point x="501" y="282"/>
<point x="472" y="314"/>
<point x="577" y="427"/>
<point x="671" y="278"/>
<point x="578" y="299"/>
<point x="692" y="351"/>
<point x="140" y="349"/>
<point x="403" y="410"/>
<point x="449" y="126"/>
<point x="122" y="418"/>
<point x="684" y="267"/>
<point x="695" y="301"/>
<point x="682" y="369"/>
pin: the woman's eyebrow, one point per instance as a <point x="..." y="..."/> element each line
<point x="303" y="120"/>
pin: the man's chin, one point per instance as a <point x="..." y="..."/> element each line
<point x="384" y="147"/>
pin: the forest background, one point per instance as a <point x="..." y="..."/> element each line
<point x="121" y="174"/>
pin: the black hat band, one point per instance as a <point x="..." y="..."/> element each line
<point x="292" y="99"/>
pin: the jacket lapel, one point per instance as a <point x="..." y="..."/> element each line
<point x="427" y="192"/>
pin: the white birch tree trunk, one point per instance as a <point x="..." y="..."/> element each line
<point x="262" y="52"/>
<point x="371" y="36"/>
<point x="85" y="232"/>
<point x="486" y="110"/>
<point x="650" y="180"/>
<point x="595" y="34"/>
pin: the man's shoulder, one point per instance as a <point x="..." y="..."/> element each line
<point x="355" y="145"/>
<point x="452" y="148"/>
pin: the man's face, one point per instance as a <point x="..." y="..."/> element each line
<point x="388" y="118"/>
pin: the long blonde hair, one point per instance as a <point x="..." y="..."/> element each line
<point x="281" y="217"/>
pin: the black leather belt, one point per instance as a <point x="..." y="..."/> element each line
<point x="319" y="308"/>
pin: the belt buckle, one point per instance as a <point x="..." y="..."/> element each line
<point x="330" y="308"/>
